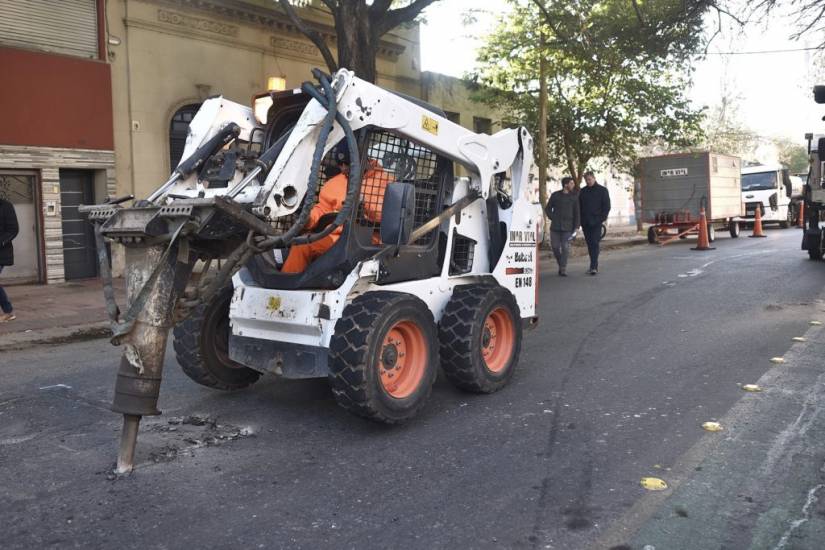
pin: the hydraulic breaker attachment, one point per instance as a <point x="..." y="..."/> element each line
<point x="155" y="280"/>
<point x="162" y="244"/>
<point x="167" y="234"/>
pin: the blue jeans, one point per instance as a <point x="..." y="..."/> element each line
<point x="593" y="234"/>
<point x="5" y="305"/>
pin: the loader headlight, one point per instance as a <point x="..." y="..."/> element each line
<point x="261" y="105"/>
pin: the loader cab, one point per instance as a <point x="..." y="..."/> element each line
<point x="385" y="156"/>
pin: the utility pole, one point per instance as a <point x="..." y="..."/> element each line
<point x="542" y="144"/>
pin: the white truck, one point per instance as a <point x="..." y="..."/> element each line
<point x="770" y="188"/>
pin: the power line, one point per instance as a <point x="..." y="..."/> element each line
<point x="759" y="52"/>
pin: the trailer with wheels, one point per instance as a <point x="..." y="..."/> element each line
<point x="676" y="188"/>
<point x="411" y="271"/>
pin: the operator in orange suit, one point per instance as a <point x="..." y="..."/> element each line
<point x="330" y="200"/>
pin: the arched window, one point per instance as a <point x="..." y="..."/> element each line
<point x="178" y="128"/>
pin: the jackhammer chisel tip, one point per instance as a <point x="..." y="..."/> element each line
<point x="128" y="441"/>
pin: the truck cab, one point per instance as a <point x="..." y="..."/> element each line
<point x="770" y="188"/>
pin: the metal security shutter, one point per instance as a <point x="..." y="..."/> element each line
<point x="64" y="26"/>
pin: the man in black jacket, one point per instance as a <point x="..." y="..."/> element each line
<point x="8" y="231"/>
<point x="563" y="211"/>
<point x="594" y="201"/>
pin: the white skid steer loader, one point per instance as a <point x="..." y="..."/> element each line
<point x="419" y="268"/>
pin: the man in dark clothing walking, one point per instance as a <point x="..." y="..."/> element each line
<point x="594" y="201"/>
<point x="8" y="231"/>
<point x="563" y="211"/>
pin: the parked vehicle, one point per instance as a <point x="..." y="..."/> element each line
<point x="676" y="187"/>
<point x="813" y="236"/>
<point x="772" y="189"/>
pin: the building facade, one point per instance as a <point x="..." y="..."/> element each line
<point x="56" y="139"/>
<point x="103" y="91"/>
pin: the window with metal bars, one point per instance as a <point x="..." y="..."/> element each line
<point x="386" y="158"/>
<point x="178" y="130"/>
<point x="461" y="259"/>
<point x="390" y="158"/>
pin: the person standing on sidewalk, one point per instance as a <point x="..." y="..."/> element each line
<point x="8" y="231"/>
<point x="563" y="211"/>
<point x="594" y="201"/>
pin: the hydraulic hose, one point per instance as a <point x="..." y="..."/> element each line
<point x="328" y="101"/>
<point x="355" y="176"/>
<point x="313" y="182"/>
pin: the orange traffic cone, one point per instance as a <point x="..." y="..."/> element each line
<point x="800" y="223"/>
<point x="757" y="223"/>
<point x="704" y="241"/>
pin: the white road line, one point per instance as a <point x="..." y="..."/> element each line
<point x="806" y="515"/>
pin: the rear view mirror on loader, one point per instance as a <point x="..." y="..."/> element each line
<point x="819" y="94"/>
<point x="786" y="182"/>
<point x="397" y="213"/>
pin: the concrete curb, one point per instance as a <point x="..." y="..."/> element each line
<point x="580" y="249"/>
<point x="55" y="335"/>
<point x="618" y="245"/>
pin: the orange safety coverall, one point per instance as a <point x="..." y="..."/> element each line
<point x="331" y="199"/>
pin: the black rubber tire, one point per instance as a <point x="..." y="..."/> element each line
<point x="815" y="250"/>
<point x="354" y="356"/>
<point x="734" y="228"/>
<point x="711" y="233"/>
<point x="460" y="337"/>
<point x="652" y="237"/>
<point x="788" y="219"/>
<point x="201" y="347"/>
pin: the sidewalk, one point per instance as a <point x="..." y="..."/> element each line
<point x="616" y="238"/>
<point x="57" y="313"/>
<point x="49" y="314"/>
<point x="760" y="482"/>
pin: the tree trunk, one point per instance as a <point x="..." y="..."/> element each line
<point x="357" y="40"/>
<point x="542" y="141"/>
<point x="570" y="156"/>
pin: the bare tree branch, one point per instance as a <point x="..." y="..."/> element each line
<point x="716" y="33"/>
<point x="395" y="17"/>
<point x="313" y="35"/>
<point x="547" y="18"/>
<point x="719" y="9"/>
<point x="813" y="21"/>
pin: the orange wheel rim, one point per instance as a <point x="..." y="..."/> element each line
<point x="497" y="339"/>
<point x="402" y="359"/>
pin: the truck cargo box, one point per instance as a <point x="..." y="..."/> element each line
<point x="675" y="187"/>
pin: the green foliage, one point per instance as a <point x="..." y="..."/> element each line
<point x="616" y="77"/>
<point x="793" y="156"/>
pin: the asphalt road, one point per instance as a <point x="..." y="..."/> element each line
<point x="612" y="386"/>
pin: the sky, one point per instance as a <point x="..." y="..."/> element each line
<point x="774" y="89"/>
